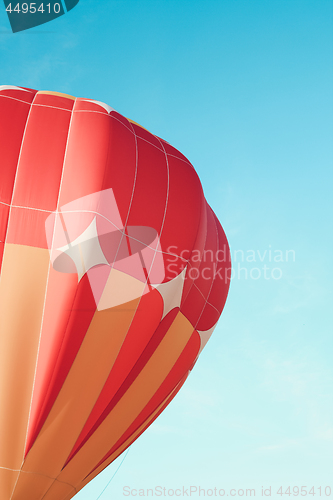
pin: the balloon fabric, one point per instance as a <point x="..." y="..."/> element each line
<point x="114" y="273"/>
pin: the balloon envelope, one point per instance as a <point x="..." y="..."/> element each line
<point x="114" y="272"/>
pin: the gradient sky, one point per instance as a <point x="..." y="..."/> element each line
<point x="244" y="89"/>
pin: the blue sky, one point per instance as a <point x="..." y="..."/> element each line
<point x="243" y="88"/>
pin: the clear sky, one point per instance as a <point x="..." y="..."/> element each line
<point x="244" y="89"/>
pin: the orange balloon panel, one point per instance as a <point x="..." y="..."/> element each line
<point x="114" y="272"/>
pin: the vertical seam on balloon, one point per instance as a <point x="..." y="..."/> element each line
<point x="122" y="232"/>
<point x="189" y="264"/>
<point x="164" y="215"/>
<point x="46" y="286"/>
<point x="57" y="209"/>
<point x="125" y="223"/>
<point x="55" y="222"/>
<point x="212" y="283"/>
<point x="131" y="201"/>
<point x="168" y="186"/>
<point x="132" y="195"/>
<point x="196" y="237"/>
<point x="10" y="211"/>
<point x="166" y="205"/>
<point x="165" y="210"/>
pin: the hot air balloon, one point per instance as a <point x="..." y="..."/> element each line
<point x="114" y="273"/>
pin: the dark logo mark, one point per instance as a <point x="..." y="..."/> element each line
<point x="25" y="15"/>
